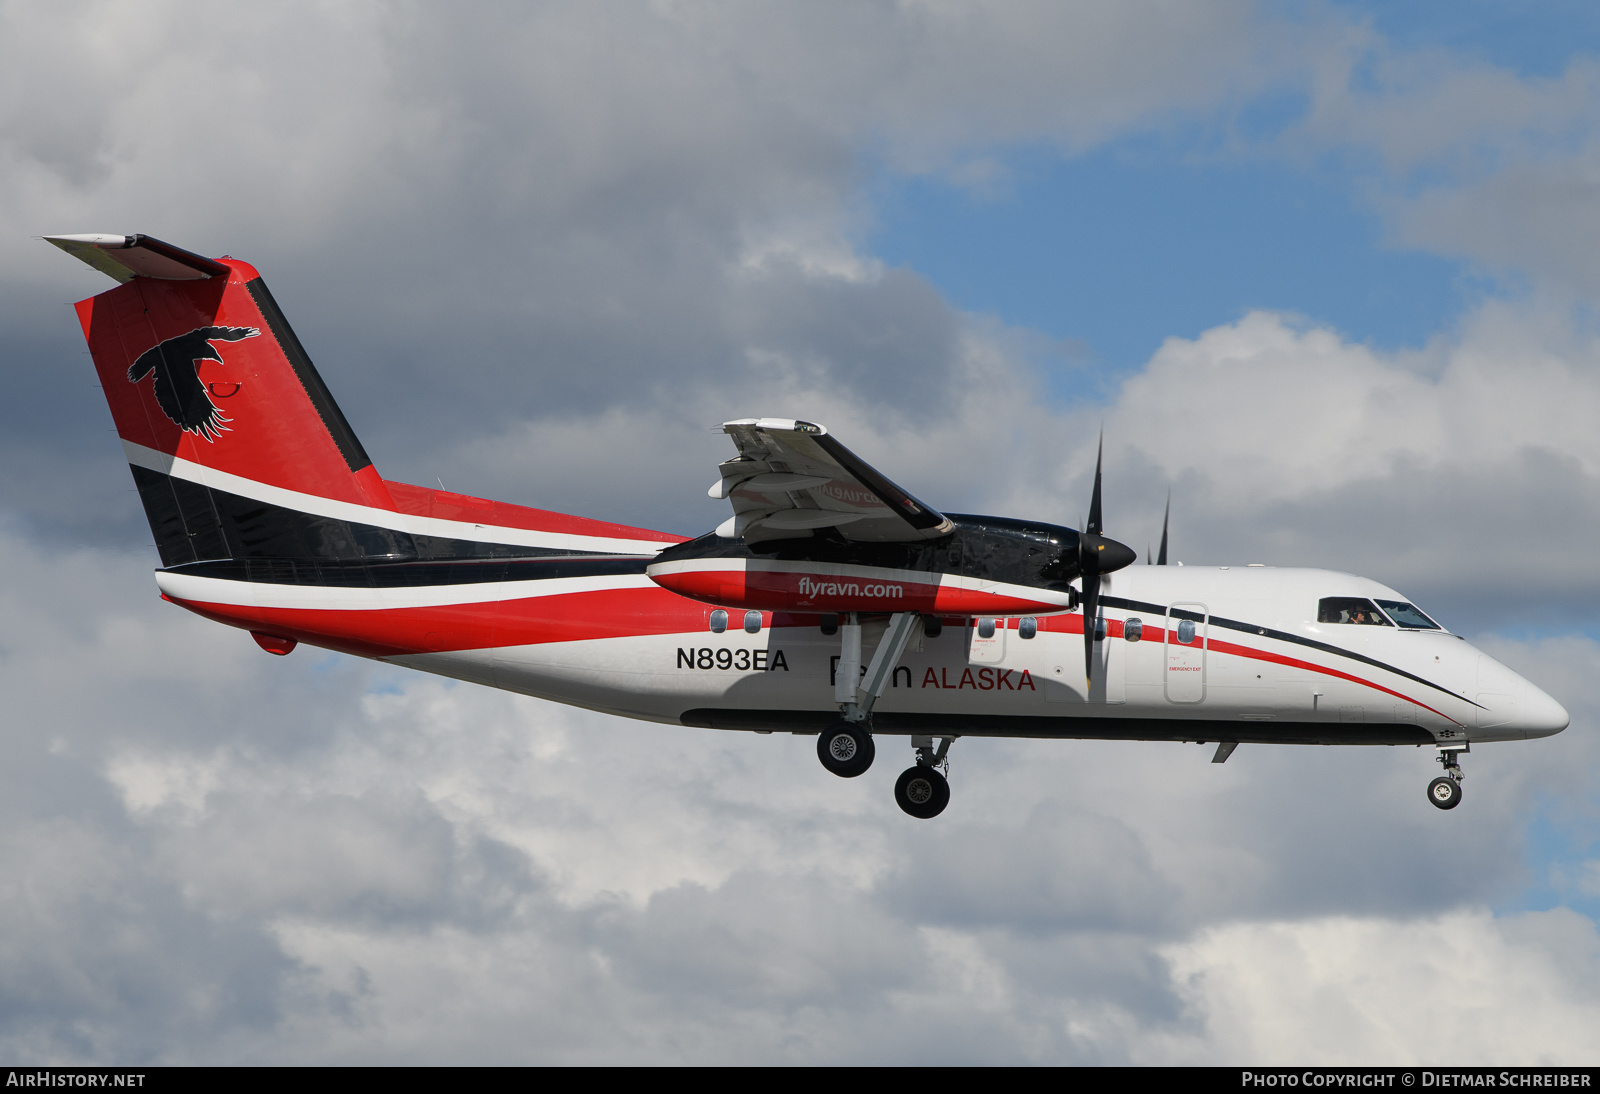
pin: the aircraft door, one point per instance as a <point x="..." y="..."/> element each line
<point x="986" y="642"/>
<point x="1185" y="674"/>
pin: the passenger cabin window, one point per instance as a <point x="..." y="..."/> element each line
<point x="719" y="621"/>
<point x="932" y="626"/>
<point x="830" y="624"/>
<point x="1350" y="609"/>
<point x="1408" y="616"/>
<point x="985" y="628"/>
<point x="1028" y="627"/>
<point x="1186" y="631"/>
<point x="1133" y="628"/>
<point x="752" y="622"/>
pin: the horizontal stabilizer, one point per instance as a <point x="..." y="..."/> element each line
<point x="127" y="257"/>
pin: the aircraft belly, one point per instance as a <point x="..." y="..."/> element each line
<point x="637" y="675"/>
<point x="473" y="666"/>
<point x="779" y="669"/>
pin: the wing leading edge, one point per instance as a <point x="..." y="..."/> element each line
<point x="792" y="479"/>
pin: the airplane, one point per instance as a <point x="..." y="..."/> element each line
<point x="830" y="603"/>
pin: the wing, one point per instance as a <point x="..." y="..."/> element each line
<point x="791" y="479"/>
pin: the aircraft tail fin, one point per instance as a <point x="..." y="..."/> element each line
<point x="237" y="446"/>
<point x="211" y="392"/>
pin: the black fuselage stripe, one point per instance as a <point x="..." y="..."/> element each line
<point x="1280" y="636"/>
<point x="195" y="523"/>
<point x="337" y="574"/>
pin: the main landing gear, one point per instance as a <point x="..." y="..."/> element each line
<point x="1445" y="791"/>
<point x="845" y="747"/>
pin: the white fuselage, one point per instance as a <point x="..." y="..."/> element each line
<point x="1256" y="657"/>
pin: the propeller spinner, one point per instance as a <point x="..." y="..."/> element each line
<point x="1098" y="555"/>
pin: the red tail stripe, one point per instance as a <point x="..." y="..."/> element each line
<point x="387" y="632"/>
<point x="420" y="501"/>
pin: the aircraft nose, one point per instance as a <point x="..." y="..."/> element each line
<point x="1540" y="715"/>
<point x="1515" y="704"/>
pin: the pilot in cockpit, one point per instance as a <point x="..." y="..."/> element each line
<point x="1352" y="609"/>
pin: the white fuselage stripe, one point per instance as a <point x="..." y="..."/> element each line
<point x="149" y="458"/>
<point x="260" y="594"/>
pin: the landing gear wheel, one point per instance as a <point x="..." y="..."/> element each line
<point x="1445" y="793"/>
<point x="921" y="792"/>
<point x="845" y="749"/>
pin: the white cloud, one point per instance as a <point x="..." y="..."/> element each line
<point x="450" y="873"/>
<point x="311" y="859"/>
<point x="1432" y="109"/>
<point x="1467" y="464"/>
<point x="1530" y="218"/>
<point x="1463" y="158"/>
<point x="1464" y="989"/>
<point x="544" y="254"/>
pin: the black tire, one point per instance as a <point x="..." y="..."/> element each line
<point x="922" y="792"/>
<point x="1444" y="793"/>
<point x="845" y="749"/>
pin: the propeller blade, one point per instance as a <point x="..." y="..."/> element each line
<point x="1094" y="525"/>
<point x="1098" y="555"/>
<point x="1161" y="560"/>
<point x="1091" y="618"/>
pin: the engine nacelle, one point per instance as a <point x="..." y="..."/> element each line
<point x="809" y="586"/>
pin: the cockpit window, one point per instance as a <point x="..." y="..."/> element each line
<point x="1407" y="615"/>
<point x="1350" y="609"/>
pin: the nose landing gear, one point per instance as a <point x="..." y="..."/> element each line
<point x="922" y="791"/>
<point x="1445" y="791"/>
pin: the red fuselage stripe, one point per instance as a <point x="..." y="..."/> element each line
<point x="601" y="613"/>
<point x="1073" y="624"/>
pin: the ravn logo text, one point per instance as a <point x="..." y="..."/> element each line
<point x="831" y="588"/>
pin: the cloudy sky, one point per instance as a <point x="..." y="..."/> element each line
<point x="1325" y="270"/>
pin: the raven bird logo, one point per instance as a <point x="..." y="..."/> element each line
<point x="179" y="392"/>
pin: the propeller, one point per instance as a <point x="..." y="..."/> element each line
<point x="1098" y="555"/>
<point x="1165" y="517"/>
<point x="1161" y="559"/>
